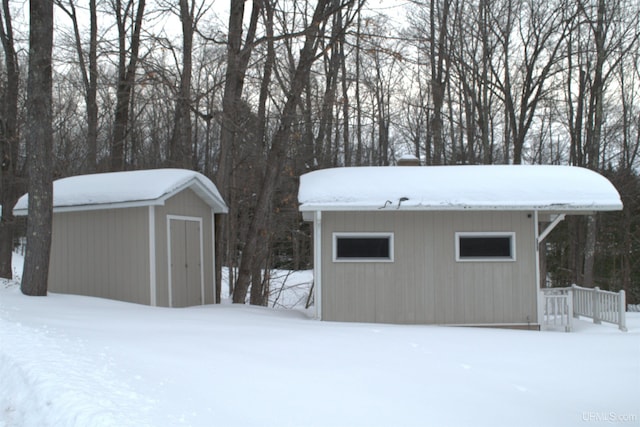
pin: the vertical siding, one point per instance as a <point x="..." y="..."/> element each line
<point x="185" y="203"/>
<point x="178" y="260"/>
<point x="103" y="253"/>
<point x="193" y="253"/>
<point x="186" y="283"/>
<point x="425" y="284"/>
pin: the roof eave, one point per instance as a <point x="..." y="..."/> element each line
<point x="213" y="200"/>
<point x="563" y="208"/>
<point x="96" y="206"/>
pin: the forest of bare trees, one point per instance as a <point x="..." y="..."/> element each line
<point x="255" y="93"/>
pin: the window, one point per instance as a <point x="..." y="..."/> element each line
<point x="371" y="247"/>
<point x="489" y="246"/>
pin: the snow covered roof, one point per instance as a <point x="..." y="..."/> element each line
<point x="127" y="189"/>
<point x="485" y="187"/>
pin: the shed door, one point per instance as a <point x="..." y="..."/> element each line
<point x="185" y="261"/>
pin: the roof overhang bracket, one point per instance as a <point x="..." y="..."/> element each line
<point x="553" y="224"/>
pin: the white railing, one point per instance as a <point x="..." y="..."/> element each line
<point x="557" y="308"/>
<point x="560" y="305"/>
<point x="601" y="306"/>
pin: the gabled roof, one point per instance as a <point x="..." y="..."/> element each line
<point x="127" y="189"/>
<point x="486" y="187"/>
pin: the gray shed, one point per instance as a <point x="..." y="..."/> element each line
<point x="145" y="236"/>
<point x="439" y="244"/>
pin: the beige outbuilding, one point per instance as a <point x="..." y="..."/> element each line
<point x="439" y="244"/>
<point x="145" y="236"/>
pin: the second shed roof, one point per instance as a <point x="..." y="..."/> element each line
<point x="481" y="187"/>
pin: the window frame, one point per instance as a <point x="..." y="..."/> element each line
<point x="475" y="234"/>
<point x="338" y="235"/>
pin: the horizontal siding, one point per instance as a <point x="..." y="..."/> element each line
<point x="425" y="284"/>
<point x="101" y="253"/>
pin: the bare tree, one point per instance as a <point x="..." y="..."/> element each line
<point x="472" y="51"/>
<point x="542" y="29"/>
<point x="381" y="76"/>
<point x="332" y="65"/>
<point x="181" y="138"/>
<point x="358" y="61"/>
<point x="39" y="148"/>
<point x="259" y="282"/>
<point x="630" y="150"/>
<point x="280" y="143"/>
<point x="611" y="44"/>
<point x="238" y="55"/>
<point x="126" y="74"/>
<point x="439" y="59"/>
<point x="231" y="124"/>
<point x="89" y="75"/>
<point x="9" y="141"/>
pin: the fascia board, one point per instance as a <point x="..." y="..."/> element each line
<point x="587" y="209"/>
<point x="96" y="207"/>
<point x="215" y="202"/>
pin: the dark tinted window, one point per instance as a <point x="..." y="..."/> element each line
<point x="363" y="247"/>
<point x="485" y="247"/>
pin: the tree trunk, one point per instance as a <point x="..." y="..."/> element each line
<point x="9" y="185"/>
<point x="180" y="143"/>
<point x="438" y="82"/>
<point x="259" y="287"/>
<point x="92" y="92"/>
<point x="237" y="61"/>
<point x="627" y="250"/>
<point x="89" y="77"/>
<point x="260" y="281"/>
<point x="589" y="252"/>
<point x="346" y="140"/>
<point x="126" y="80"/>
<point x="359" y="144"/>
<point x="39" y="149"/>
<point x="484" y="109"/>
<point x="332" y="68"/>
<point x="278" y="150"/>
<point x="266" y="77"/>
<point x="575" y="226"/>
<point x="594" y="135"/>
<point x="219" y="248"/>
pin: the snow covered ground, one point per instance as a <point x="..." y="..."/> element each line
<point x="76" y="361"/>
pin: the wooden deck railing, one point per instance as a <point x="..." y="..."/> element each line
<point x="557" y="308"/>
<point x="601" y="306"/>
<point x="560" y="305"/>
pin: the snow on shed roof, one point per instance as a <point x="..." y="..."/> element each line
<point x="126" y="189"/>
<point x="482" y="187"/>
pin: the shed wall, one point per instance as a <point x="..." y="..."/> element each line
<point x="102" y="253"/>
<point x="185" y="203"/>
<point x="424" y="283"/>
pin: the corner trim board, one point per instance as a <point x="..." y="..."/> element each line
<point x="153" y="290"/>
<point x="317" y="262"/>
<point x="213" y="255"/>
